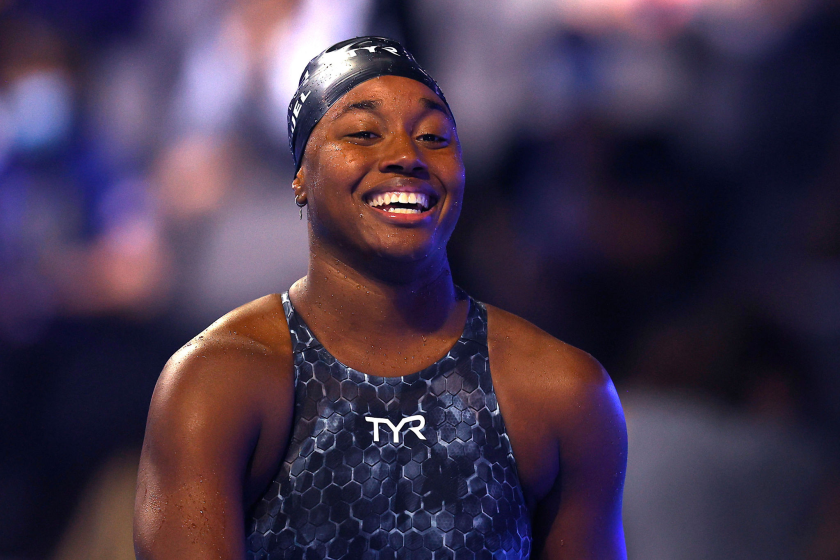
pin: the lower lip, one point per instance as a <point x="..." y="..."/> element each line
<point x="404" y="219"/>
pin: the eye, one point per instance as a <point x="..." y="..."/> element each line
<point x="363" y="135"/>
<point x="433" y="139"/>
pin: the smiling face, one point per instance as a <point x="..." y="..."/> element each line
<point x="382" y="172"/>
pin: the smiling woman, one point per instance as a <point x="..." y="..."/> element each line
<point x="356" y="416"/>
<point x="382" y="144"/>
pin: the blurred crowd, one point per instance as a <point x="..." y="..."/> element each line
<point x="654" y="181"/>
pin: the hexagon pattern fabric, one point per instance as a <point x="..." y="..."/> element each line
<point x="346" y="492"/>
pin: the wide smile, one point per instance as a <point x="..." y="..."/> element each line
<point x="401" y="202"/>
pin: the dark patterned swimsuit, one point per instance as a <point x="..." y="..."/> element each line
<point x="414" y="467"/>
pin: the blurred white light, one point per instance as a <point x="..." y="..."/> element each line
<point x="316" y="26"/>
<point x="41" y="108"/>
<point x="215" y="80"/>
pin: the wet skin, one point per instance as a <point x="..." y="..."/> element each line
<point x="379" y="295"/>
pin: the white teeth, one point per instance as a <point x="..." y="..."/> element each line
<point x="402" y="198"/>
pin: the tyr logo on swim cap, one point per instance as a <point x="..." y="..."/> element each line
<point x="339" y="69"/>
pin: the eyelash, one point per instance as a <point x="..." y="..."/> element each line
<point x="368" y="135"/>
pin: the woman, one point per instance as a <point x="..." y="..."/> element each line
<point x="356" y="416"/>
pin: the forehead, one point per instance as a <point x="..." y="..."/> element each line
<point x="388" y="93"/>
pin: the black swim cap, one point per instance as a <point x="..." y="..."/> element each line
<point x="339" y="69"/>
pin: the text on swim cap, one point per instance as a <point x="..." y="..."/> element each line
<point x="348" y="52"/>
<point x="298" y="107"/>
<point x="345" y="52"/>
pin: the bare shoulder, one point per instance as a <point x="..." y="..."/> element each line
<point x="234" y="361"/>
<point x="252" y="334"/>
<point x="217" y="427"/>
<point x="231" y="383"/>
<point x="543" y="368"/>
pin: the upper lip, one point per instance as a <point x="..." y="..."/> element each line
<point x="403" y="185"/>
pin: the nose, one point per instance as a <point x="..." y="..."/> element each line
<point x="403" y="156"/>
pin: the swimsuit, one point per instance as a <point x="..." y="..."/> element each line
<point x="417" y="467"/>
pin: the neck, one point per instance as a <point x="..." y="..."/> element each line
<point x="376" y="298"/>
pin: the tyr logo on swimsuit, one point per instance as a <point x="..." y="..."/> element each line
<point x="396" y="429"/>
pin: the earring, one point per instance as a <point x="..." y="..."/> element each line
<point x="300" y="204"/>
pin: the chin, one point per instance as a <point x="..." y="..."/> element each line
<point x="406" y="254"/>
<point x="403" y="256"/>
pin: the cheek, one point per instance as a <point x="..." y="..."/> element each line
<point x="324" y="170"/>
<point x="339" y="162"/>
<point x="455" y="178"/>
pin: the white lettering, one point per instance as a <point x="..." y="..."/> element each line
<point x="396" y="429"/>
<point x="415" y="429"/>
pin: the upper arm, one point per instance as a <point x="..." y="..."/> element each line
<point x="580" y="517"/>
<point x="205" y="421"/>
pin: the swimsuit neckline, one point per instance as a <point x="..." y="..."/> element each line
<point x="474" y="311"/>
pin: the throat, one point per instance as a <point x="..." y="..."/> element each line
<point x="379" y="328"/>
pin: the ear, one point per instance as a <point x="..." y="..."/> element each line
<point x="297" y="186"/>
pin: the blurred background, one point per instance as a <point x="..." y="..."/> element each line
<point x="654" y="181"/>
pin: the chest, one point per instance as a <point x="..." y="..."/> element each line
<point x="375" y="464"/>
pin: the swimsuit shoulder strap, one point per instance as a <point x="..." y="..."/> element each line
<point x="302" y="337"/>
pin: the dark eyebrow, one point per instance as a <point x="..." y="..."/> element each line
<point x="435" y="106"/>
<point x="367" y="105"/>
<point x="374" y="104"/>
